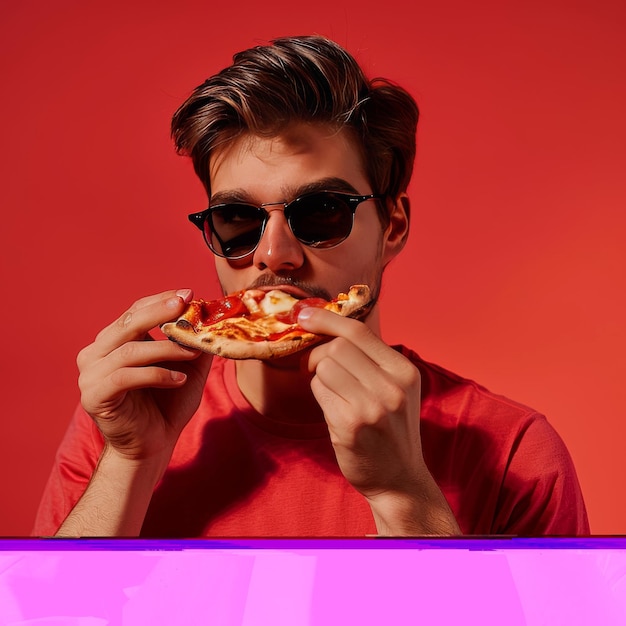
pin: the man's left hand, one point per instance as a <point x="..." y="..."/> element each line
<point x="370" y="396"/>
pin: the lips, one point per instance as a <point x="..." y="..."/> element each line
<point x="293" y="291"/>
<point x="296" y="288"/>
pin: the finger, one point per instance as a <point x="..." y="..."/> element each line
<point x="343" y="351"/>
<point x="112" y="389"/>
<point x="334" y="385"/>
<point x="350" y="375"/>
<point x="138" y="354"/>
<point x="323" y="322"/>
<point x="185" y="294"/>
<point x="352" y="359"/>
<point x="359" y="335"/>
<point x="143" y="315"/>
<point x="92" y="381"/>
<point x="129" y="378"/>
<point x="332" y="406"/>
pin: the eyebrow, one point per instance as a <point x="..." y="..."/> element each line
<point x="240" y="195"/>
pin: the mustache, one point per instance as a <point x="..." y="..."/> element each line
<point x="272" y="280"/>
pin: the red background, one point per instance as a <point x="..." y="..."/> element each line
<point x="515" y="265"/>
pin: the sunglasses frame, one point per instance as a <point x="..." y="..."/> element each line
<point x="352" y="201"/>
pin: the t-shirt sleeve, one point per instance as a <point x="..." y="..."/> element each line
<point x="540" y="493"/>
<point x="74" y="464"/>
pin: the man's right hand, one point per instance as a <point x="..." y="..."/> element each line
<point x="140" y="392"/>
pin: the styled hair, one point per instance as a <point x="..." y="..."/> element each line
<point x="306" y="79"/>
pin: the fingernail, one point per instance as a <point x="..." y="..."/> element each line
<point x="305" y="314"/>
<point x="185" y="294"/>
<point x="177" y="376"/>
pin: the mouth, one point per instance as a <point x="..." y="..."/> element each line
<point x="295" y="292"/>
<point x="296" y="288"/>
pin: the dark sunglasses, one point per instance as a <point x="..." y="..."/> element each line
<point x="322" y="219"/>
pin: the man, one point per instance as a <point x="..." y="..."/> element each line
<point x="349" y="438"/>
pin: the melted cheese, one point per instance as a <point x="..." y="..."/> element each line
<point x="243" y="328"/>
<point x="250" y="297"/>
<point x="277" y="302"/>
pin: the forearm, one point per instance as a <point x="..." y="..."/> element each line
<point x="423" y="512"/>
<point x="116" y="499"/>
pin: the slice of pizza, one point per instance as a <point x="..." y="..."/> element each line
<point x="257" y="324"/>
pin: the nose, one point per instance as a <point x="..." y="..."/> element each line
<point x="278" y="249"/>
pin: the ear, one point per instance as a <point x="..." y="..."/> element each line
<point x="397" y="232"/>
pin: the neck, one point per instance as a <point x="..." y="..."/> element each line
<point x="281" y="389"/>
<point x="280" y="392"/>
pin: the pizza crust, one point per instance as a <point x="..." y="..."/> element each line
<point x="231" y="337"/>
<point x="238" y="348"/>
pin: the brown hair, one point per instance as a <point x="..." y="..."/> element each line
<point x="301" y="79"/>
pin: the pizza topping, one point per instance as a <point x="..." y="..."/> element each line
<point x="257" y="324"/>
<point x="216" y="310"/>
<point x="291" y="316"/>
<point x="276" y="302"/>
<point x="251" y="299"/>
<point x="259" y="329"/>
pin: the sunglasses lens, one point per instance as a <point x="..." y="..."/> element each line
<point x="234" y="230"/>
<point x="321" y="220"/>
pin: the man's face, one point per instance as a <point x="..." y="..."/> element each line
<point x="260" y="170"/>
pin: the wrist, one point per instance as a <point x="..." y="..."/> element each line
<point x="117" y="497"/>
<point x="419" y="511"/>
<point x="154" y="463"/>
<point x="118" y="466"/>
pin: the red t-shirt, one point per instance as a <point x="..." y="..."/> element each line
<point x="234" y="472"/>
